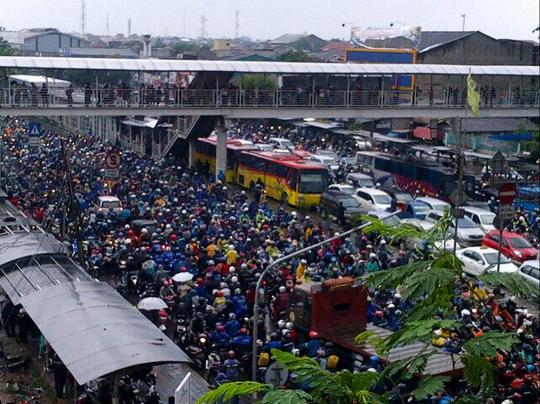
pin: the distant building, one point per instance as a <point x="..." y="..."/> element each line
<point x="100" y="53"/>
<point x="488" y="135"/>
<point x="221" y="44"/>
<point x="306" y="42"/>
<point x="42" y="41"/>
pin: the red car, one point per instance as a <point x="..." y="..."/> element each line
<point x="514" y="246"/>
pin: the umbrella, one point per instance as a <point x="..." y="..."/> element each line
<point x="182" y="277"/>
<point x="152" y="303"/>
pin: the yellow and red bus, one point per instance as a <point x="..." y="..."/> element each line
<point x="287" y="177"/>
<point x="205" y="154"/>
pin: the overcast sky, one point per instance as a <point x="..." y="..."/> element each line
<point x="270" y="18"/>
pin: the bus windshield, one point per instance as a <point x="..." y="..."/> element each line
<point x="313" y="181"/>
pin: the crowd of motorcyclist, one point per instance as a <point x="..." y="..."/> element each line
<point x="222" y="239"/>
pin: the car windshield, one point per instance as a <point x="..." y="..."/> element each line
<point x="349" y="203"/>
<point x="421" y="207"/>
<point x="382" y="199"/>
<point x="366" y="183"/>
<point x="491" y="258"/>
<point x="519" y="242"/>
<point x="403" y="197"/>
<point x="286" y="143"/>
<point x="313" y="181"/>
<point x="439" y="207"/>
<point x="110" y="204"/>
<point x="486" y="219"/>
<point x="465" y="223"/>
<point x="392" y="221"/>
<point x="347" y="190"/>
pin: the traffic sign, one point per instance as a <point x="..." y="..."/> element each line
<point x="34" y="133"/>
<point x="112" y="173"/>
<point x="507" y="193"/>
<point x="504" y="217"/>
<point x="112" y="160"/>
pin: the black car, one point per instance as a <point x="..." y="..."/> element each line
<point x="338" y="206"/>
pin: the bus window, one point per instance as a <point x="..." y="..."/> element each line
<point x="292" y="178"/>
<point x="313" y="181"/>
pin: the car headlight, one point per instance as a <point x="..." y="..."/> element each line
<point x="518" y="253"/>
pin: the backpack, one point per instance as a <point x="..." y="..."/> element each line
<point x="264" y="359"/>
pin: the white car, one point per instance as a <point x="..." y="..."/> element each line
<point x="372" y="199"/>
<point x="360" y="180"/>
<point x="446" y="243"/>
<point x="482" y="217"/>
<point x="468" y="233"/>
<point x="281" y="143"/>
<point x="265" y="147"/>
<point x="530" y="271"/>
<point x="108" y="203"/>
<point x="481" y="260"/>
<point x="328" y="161"/>
<point x="343" y="188"/>
<point x="433" y="203"/>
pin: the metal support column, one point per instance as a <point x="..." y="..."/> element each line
<point x="191" y="153"/>
<point x="221" y="153"/>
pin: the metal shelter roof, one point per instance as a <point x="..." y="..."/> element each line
<point x="21" y="245"/>
<point x="161" y="65"/>
<point x="96" y="332"/>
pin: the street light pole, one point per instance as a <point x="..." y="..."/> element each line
<point x="275" y="264"/>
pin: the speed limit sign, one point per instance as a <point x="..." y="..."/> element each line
<point x="112" y="160"/>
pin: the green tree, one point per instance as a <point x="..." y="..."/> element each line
<point x="296" y="56"/>
<point x="253" y="81"/>
<point x="340" y="388"/>
<point x="431" y="283"/>
<point x="5" y="49"/>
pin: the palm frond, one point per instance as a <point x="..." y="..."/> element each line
<point x="323" y="383"/>
<point x="228" y="391"/>
<point x="516" y="285"/>
<point x="490" y="343"/>
<point x="280" y="396"/>
<point x="429" y="385"/>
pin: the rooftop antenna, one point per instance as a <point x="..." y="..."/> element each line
<point x="83" y="17"/>
<point x="129" y="27"/>
<point x="463" y="22"/>
<point x="203" y="26"/>
<point x="237" y="24"/>
<point x="184" y="22"/>
<point x="107" y="24"/>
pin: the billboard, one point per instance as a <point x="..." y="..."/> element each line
<point x="360" y="35"/>
<point x="383" y="55"/>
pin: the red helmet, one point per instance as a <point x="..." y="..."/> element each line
<point x="313" y="334"/>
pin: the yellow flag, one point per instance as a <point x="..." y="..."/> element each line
<point x="473" y="97"/>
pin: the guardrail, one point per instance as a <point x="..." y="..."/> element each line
<point x="192" y="98"/>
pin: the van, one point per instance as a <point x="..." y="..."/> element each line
<point x="482" y="217"/>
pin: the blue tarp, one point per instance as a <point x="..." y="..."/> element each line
<point x="511" y="137"/>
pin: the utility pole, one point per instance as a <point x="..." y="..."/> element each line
<point x="72" y="207"/>
<point x="237" y="24"/>
<point x="463" y="22"/>
<point x="107" y="24"/>
<point x="83" y="17"/>
<point x="129" y="27"/>
<point x="203" y="26"/>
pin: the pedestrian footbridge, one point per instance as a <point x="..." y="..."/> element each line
<point x="287" y="90"/>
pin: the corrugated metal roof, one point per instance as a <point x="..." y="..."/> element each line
<point x="157" y="65"/>
<point x="96" y="332"/>
<point x="23" y="245"/>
